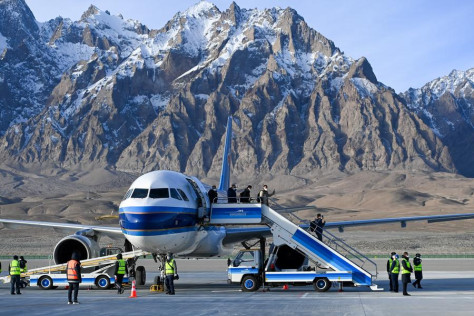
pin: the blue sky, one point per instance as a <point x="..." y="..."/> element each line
<point x="408" y="43"/>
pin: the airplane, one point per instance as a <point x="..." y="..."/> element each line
<point x="167" y="211"/>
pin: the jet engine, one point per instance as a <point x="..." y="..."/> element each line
<point x="85" y="247"/>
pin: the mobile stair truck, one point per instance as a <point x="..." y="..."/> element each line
<point x="294" y="248"/>
<point x="96" y="272"/>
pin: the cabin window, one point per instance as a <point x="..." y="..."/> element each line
<point x="183" y="194"/>
<point x="161" y="193"/>
<point x="127" y="195"/>
<point x="139" y="193"/>
<point x="175" y="194"/>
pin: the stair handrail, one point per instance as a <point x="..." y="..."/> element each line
<point x="356" y="253"/>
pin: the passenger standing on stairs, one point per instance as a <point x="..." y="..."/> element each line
<point x="320" y="222"/>
<point x="394" y="272"/>
<point x="232" y="194"/>
<point x="263" y="195"/>
<point x="212" y="193"/>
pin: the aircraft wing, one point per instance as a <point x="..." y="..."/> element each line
<point x="239" y="234"/>
<point x="112" y="232"/>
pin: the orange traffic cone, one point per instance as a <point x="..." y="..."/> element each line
<point x="134" y="290"/>
<point x="285" y="287"/>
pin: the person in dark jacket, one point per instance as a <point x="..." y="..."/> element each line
<point x="120" y="271"/>
<point x="212" y="194"/>
<point x="245" y="195"/>
<point x="418" y="270"/>
<point x="389" y="265"/>
<point x="394" y="272"/>
<point x="263" y="195"/>
<point x="406" y="272"/>
<point x="320" y="222"/>
<point x="73" y="278"/>
<point x="232" y="194"/>
<point x="23" y="269"/>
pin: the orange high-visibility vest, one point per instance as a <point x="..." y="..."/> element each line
<point x="71" y="270"/>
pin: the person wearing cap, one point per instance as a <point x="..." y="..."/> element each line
<point x="263" y="195"/>
<point x="406" y="272"/>
<point x="120" y="271"/>
<point x="418" y="270"/>
<point x="394" y="272"/>
<point x="73" y="278"/>
<point x="232" y="194"/>
<point x="212" y="194"/>
<point x="23" y="269"/>
<point x="389" y="264"/>
<point x="245" y="195"/>
<point x="14" y="270"/>
<point x="171" y="273"/>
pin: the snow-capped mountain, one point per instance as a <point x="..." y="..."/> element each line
<point x="446" y="105"/>
<point x="125" y="96"/>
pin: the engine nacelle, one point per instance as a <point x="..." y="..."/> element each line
<point x="82" y="245"/>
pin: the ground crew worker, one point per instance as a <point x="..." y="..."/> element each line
<point x="73" y="277"/>
<point x="212" y="193"/>
<point x="120" y="271"/>
<point x="171" y="272"/>
<point x="406" y="272"/>
<point x="418" y="270"/>
<point x="389" y="265"/>
<point x="23" y="269"/>
<point x="263" y="195"/>
<point x="14" y="270"/>
<point x="394" y="271"/>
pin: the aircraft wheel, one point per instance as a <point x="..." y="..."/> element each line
<point x="322" y="284"/>
<point x="250" y="284"/>
<point x="102" y="282"/>
<point x="140" y="276"/>
<point x="45" y="282"/>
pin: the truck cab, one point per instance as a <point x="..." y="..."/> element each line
<point x="246" y="269"/>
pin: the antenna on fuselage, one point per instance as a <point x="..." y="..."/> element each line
<point x="225" y="171"/>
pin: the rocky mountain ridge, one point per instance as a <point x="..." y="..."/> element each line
<point x="120" y="95"/>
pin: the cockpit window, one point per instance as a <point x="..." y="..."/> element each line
<point x="161" y="193"/>
<point x="139" y="193"/>
<point x="183" y="194"/>
<point x="175" y="194"/>
<point x="127" y="195"/>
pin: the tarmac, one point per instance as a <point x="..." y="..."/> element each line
<point x="202" y="289"/>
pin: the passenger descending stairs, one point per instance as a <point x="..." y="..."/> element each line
<point x="285" y="232"/>
<point x="93" y="262"/>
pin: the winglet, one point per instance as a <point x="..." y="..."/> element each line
<point x="225" y="171"/>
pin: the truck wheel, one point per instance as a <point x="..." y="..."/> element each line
<point x="250" y="284"/>
<point x="140" y="275"/>
<point x="322" y="284"/>
<point x="102" y="282"/>
<point x="45" y="282"/>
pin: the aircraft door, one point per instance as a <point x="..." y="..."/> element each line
<point x="201" y="199"/>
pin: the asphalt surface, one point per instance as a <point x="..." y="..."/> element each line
<point x="202" y="290"/>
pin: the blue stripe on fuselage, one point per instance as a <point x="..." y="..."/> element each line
<point x="156" y="218"/>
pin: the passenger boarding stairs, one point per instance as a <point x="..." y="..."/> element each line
<point x="88" y="263"/>
<point x="332" y="252"/>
